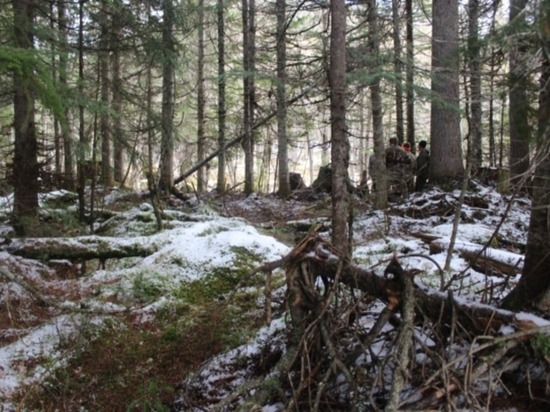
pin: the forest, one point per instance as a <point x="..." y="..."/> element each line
<point x="189" y="219"/>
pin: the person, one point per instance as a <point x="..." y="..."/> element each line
<point x="422" y="166"/>
<point x="397" y="162"/>
<point x="410" y="170"/>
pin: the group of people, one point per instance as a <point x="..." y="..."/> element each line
<point x="405" y="172"/>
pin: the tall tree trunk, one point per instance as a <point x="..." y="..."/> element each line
<point x="83" y="140"/>
<point x="202" y="181"/>
<point x="378" y="168"/>
<point x="282" y="158"/>
<point x="68" y="160"/>
<point x="248" y="11"/>
<point x="221" y="97"/>
<point x="57" y="133"/>
<point x="446" y="157"/>
<point x="520" y="133"/>
<point x="533" y="288"/>
<point x="339" y="141"/>
<point x="118" y="135"/>
<point x="105" y="117"/>
<point x="410" y="73"/>
<point x="474" y="65"/>
<point x="25" y="159"/>
<point x="398" y="68"/>
<point x="168" y="71"/>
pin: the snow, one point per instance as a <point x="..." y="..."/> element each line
<point x="189" y="249"/>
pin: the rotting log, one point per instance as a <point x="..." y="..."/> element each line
<point x="81" y="248"/>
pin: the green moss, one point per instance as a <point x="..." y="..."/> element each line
<point x="541" y="345"/>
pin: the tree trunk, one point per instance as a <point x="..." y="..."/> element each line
<point x="248" y="92"/>
<point x="474" y="65"/>
<point x="118" y="135"/>
<point x="68" y="160"/>
<point x="221" y="98"/>
<point x="410" y="73"/>
<point x="282" y="157"/>
<point x="105" y="117"/>
<point x="81" y="248"/>
<point x="533" y="288"/>
<point x="25" y="158"/>
<point x="520" y="131"/>
<point x="168" y="71"/>
<point x="446" y="151"/>
<point x="340" y="143"/>
<point x="83" y="139"/>
<point x="377" y="163"/>
<point x="398" y="68"/>
<point x="202" y="178"/>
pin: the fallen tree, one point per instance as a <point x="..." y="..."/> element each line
<point x="81" y="248"/>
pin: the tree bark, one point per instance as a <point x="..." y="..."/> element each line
<point x="221" y="97"/>
<point x="202" y="178"/>
<point x="398" y="68"/>
<point x="25" y="158"/>
<point x="410" y="73"/>
<point x="282" y="144"/>
<point x="520" y="131"/>
<point x="68" y="158"/>
<point x="377" y="163"/>
<point x="474" y="65"/>
<point x="339" y="142"/>
<point x="117" y="88"/>
<point x="533" y="288"/>
<point x="168" y="72"/>
<point x="248" y="14"/>
<point x="446" y="151"/>
<point x="105" y="117"/>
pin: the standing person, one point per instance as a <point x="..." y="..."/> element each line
<point x="422" y="166"/>
<point x="397" y="162"/>
<point x="410" y="169"/>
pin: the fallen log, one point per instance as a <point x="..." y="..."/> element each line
<point x="81" y="248"/>
<point x="439" y="307"/>
<point x="485" y="260"/>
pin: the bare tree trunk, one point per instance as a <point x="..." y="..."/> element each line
<point x="378" y="168"/>
<point x="410" y="74"/>
<point x="118" y="135"/>
<point x="57" y="133"/>
<point x="282" y="158"/>
<point x="68" y="161"/>
<point x="168" y="72"/>
<point x="340" y="142"/>
<point x="221" y="98"/>
<point x="25" y="158"/>
<point x="474" y="65"/>
<point x="202" y="178"/>
<point x="398" y="68"/>
<point x="533" y="288"/>
<point x="105" y="117"/>
<point x="520" y="131"/>
<point x="83" y="139"/>
<point x="446" y="151"/>
<point x="248" y="91"/>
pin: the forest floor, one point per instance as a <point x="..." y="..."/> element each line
<point x="151" y="333"/>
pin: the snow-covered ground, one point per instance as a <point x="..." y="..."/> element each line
<point x="193" y="244"/>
